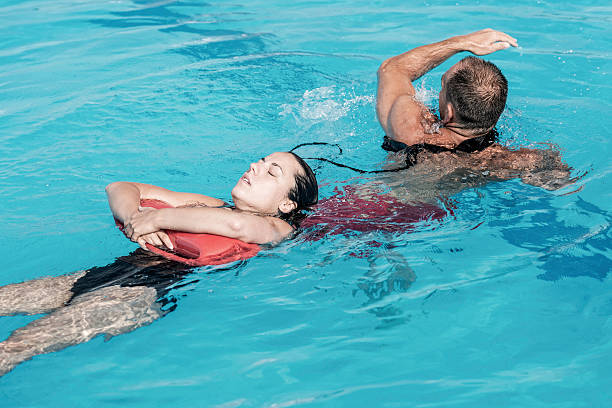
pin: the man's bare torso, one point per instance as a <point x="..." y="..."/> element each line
<point x="443" y="174"/>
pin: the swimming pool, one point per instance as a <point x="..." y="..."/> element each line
<point x="505" y="303"/>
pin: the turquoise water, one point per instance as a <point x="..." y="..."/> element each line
<point x="515" y="312"/>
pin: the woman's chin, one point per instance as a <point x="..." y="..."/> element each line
<point x="238" y="189"/>
<point x="240" y="195"/>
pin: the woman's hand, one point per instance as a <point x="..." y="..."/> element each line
<point x="142" y="222"/>
<point x="487" y="41"/>
<point x="158" y="239"/>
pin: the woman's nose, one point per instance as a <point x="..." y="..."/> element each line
<point x="257" y="166"/>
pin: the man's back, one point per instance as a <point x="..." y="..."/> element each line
<point x="442" y="174"/>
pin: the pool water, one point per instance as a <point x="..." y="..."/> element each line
<point x="504" y="302"/>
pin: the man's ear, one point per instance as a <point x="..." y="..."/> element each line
<point x="449" y="114"/>
<point x="287" y="205"/>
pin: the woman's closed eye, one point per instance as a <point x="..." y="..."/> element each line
<point x="275" y="170"/>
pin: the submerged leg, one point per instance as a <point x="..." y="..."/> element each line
<point x="37" y="296"/>
<point x="111" y="310"/>
<point x="389" y="272"/>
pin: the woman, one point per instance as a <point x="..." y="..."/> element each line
<point x="267" y="199"/>
<point x="128" y="293"/>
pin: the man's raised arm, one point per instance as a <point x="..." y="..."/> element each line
<point x="398" y="112"/>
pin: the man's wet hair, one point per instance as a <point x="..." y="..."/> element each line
<point x="305" y="192"/>
<point x="477" y="90"/>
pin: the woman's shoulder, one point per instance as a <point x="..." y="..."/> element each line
<point x="199" y="204"/>
<point x="285" y="228"/>
<point x="176" y="198"/>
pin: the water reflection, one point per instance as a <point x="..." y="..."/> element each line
<point x="151" y="13"/>
<point x="568" y="248"/>
<point x="230" y="65"/>
<point x="208" y="43"/>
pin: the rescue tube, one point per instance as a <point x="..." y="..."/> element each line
<point x="200" y="249"/>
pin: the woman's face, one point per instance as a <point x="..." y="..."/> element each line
<point x="264" y="187"/>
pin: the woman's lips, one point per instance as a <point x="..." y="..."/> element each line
<point x="246" y="179"/>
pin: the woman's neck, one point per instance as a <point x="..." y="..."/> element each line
<point x="242" y="206"/>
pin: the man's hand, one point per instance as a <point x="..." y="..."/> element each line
<point x="486" y="41"/>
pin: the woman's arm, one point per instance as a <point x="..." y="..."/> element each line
<point x="124" y="198"/>
<point x="219" y="221"/>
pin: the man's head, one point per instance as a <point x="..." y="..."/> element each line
<point x="473" y="94"/>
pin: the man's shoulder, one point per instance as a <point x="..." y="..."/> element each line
<point x="410" y="121"/>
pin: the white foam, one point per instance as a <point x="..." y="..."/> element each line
<point x="424" y="94"/>
<point x="325" y="104"/>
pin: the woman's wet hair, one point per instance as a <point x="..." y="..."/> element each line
<point x="305" y="192"/>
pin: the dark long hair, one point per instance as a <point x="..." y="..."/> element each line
<point x="305" y="193"/>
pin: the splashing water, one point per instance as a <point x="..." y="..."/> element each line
<point x="325" y="104"/>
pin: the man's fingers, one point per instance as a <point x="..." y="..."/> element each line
<point x="500" y="36"/>
<point x="487" y="41"/>
<point x="510" y="40"/>
<point x="501" y="45"/>
<point x="494" y="36"/>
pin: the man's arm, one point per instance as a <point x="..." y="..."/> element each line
<point x="537" y="167"/>
<point x="398" y="112"/>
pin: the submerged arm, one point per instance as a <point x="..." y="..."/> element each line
<point x="548" y="171"/>
<point x="536" y="167"/>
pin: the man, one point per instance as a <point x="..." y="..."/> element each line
<point x="472" y="97"/>
<point x="461" y="143"/>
